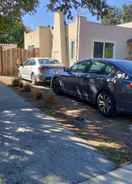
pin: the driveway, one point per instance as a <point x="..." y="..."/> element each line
<point x="35" y="149"/>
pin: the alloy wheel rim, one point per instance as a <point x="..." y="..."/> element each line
<point x="104" y="103"/>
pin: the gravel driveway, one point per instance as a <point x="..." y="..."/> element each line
<point x="35" y="149"/>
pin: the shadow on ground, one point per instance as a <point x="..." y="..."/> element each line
<point x="35" y="149"/>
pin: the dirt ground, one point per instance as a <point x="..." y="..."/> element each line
<point x="112" y="136"/>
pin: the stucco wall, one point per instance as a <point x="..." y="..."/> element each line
<point x="72" y="35"/>
<point x="45" y="41"/>
<point x="59" y="50"/>
<point x="31" y="39"/>
<point x="40" y="38"/>
<point x="90" y="32"/>
<point x="128" y="25"/>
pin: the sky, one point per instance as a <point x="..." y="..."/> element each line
<point x="43" y="17"/>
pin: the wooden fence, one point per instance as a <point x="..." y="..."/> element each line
<point x="9" y="59"/>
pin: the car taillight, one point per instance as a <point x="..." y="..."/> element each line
<point x="42" y="69"/>
<point x="130" y="85"/>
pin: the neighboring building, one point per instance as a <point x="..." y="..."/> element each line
<point x="40" y="38"/>
<point x="8" y="46"/>
<point x="81" y="39"/>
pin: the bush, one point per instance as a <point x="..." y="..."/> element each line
<point x="15" y="83"/>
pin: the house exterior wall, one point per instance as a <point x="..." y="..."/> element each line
<point x="72" y="36"/>
<point x="127" y="25"/>
<point x="31" y="39"/>
<point x="59" y="50"/>
<point x="90" y="32"/>
<point x="40" y="38"/>
<point x="45" y="42"/>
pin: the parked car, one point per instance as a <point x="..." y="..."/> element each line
<point x="40" y="69"/>
<point x="104" y="82"/>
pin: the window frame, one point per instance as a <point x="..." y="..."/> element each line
<point x="104" y="42"/>
<point x="72" y="49"/>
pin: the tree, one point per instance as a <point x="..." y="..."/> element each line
<point x="11" y="25"/>
<point x="127" y="13"/>
<point x="12" y="30"/>
<point x="11" y="12"/>
<point x="96" y="7"/>
<point x="113" y="17"/>
<point x="118" y="15"/>
<point x="17" y="7"/>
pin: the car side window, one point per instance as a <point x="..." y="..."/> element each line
<point x="26" y="63"/>
<point x="81" y="67"/>
<point x="33" y="62"/>
<point x="97" y="67"/>
<point x="101" y="68"/>
<point x="110" y="69"/>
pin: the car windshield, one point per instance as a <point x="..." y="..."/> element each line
<point x="48" y="61"/>
<point x="127" y="65"/>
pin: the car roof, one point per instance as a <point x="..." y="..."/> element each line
<point x="116" y="62"/>
<point x="36" y="58"/>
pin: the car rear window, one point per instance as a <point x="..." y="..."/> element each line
<point x="48" y="61"/>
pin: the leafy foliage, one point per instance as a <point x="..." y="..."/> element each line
<point x="118" y="15"/>
<point x="127" y="13"/>
<point x="17" y="7"/>
<point x="96" y="7"/>
<point x="12" y="30"/>
<point x="11" y="25"/>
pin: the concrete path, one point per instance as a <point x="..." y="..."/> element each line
<point x="119" y="176"/>
<point x="35" y="149"/>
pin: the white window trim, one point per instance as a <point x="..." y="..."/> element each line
<point x="104" y="41"/>
<point x="72" y="60"/>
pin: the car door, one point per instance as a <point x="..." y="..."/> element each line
<point x="24" y="69"/>
<point x="96" y="78"/>
<point x="28" y="69"/>
<point x="32" y="68"/>
<point x="74" y="78"/>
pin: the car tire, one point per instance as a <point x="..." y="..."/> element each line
<point x="56" y="86"/>
<point x="106" y="104"/>
<point x="33" y="79"/>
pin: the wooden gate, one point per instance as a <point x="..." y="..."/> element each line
<point x="9" y="59"/>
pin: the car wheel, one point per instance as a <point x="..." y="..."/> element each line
<point x="33" y="79"/>
<point x="56" y="86"/>
<point x="106" y="104"/>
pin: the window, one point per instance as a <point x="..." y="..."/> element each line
<point x="109" y="50"/>
<point x="101" y="68"/>
<point x="72" y="49"/>
<point x="26" y="63"/>
<point x="33" y="62"/>
<point x="103" y="49"/>
<point x="81" y="67"/>
<point x="48" y="61"/>
<point x="98" y="49"/>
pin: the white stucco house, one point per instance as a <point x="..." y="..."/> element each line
<point x="81" y="39"/>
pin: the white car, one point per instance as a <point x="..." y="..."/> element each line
<point x="40" y="69"/>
